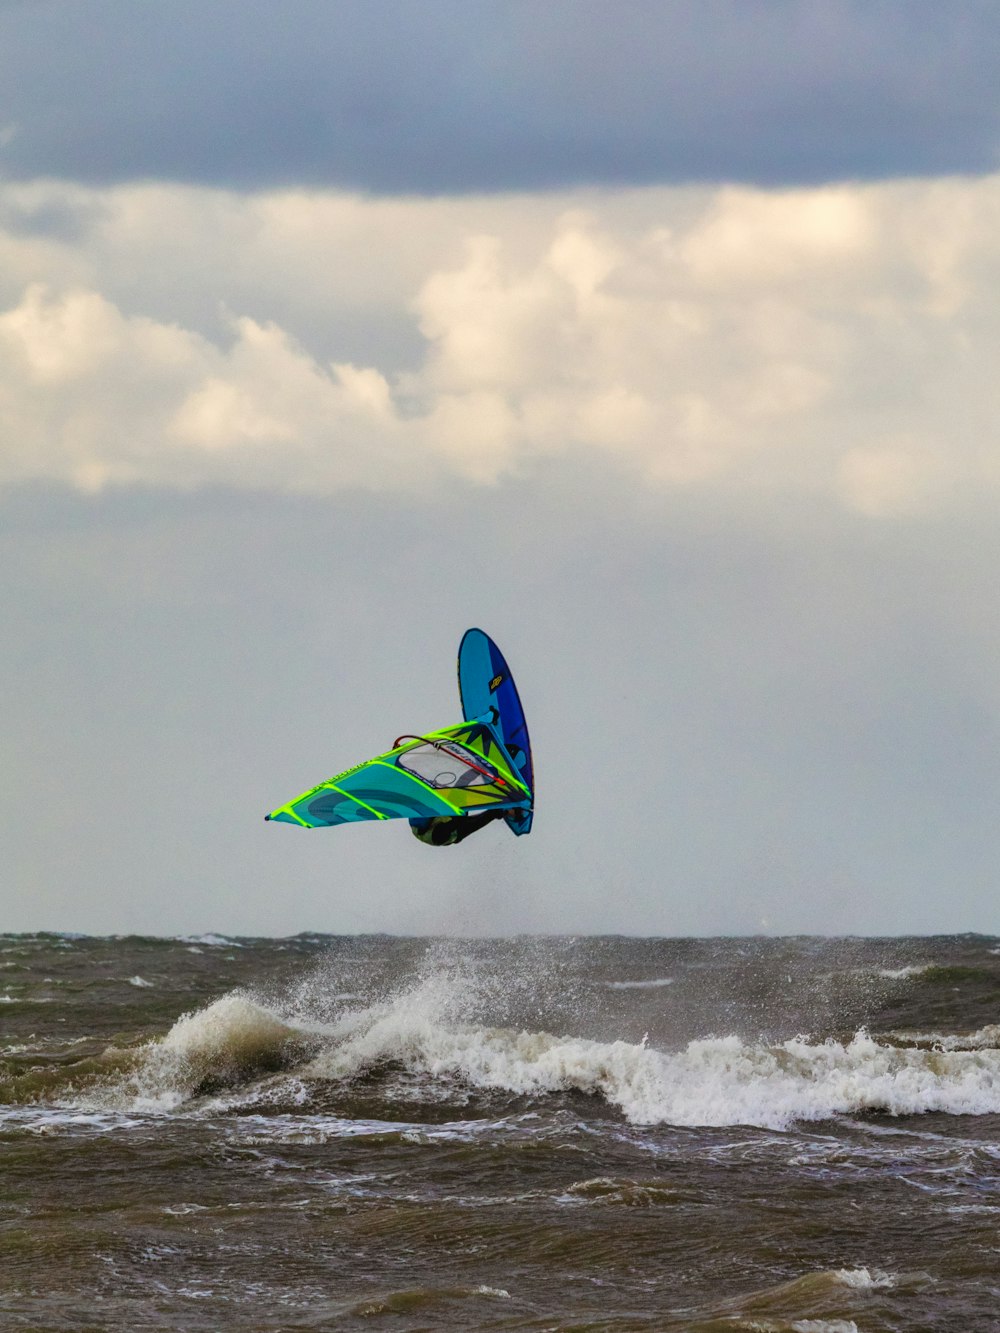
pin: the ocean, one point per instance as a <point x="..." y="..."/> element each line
<point x="783" y="1135"/>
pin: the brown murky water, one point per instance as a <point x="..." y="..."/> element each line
<point x="606" y="1134"/>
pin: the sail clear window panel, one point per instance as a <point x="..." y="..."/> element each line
<point x="447" y="764"/>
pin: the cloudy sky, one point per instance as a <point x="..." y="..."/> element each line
<point x="659" y="339"/>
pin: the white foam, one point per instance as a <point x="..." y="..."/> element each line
<point x="864" y="1279"/>
<point x="141" y="982"/>
<point x="43" y="1120"/>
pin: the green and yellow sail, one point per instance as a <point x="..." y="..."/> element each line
<point x="459" y="770"/>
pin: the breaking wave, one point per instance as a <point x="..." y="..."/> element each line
<point x="231" y="1042"/>
<point x="424" y="1031"/>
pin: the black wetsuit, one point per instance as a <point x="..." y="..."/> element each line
<point x="446" y="830"/>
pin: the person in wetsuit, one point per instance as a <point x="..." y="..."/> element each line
<point x="446" y="830"/>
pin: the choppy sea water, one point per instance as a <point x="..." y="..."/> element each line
<point x="587" y="1134"/>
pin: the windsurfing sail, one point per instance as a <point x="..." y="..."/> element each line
<point x="488" y="693"/>
<point x="459" y="770"/>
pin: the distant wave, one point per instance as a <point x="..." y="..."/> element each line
<point x="640" y="985"/>
<point x="985" y="1038"/>
<point x="216" y="941"/>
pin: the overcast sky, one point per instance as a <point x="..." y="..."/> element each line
<point x="659" y="340"/>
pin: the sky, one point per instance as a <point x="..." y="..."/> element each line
<point x="659" y="340"/>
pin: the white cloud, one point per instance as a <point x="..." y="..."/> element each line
<point x="897" y="478"/>
<point x="752" y="238"/>
<point x="839" y="339"/>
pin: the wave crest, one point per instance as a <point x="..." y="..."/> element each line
<point x="230" y="1042"/>
<point x="713" y="1082"/>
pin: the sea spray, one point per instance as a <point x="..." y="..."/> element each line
<point x="523" y="981"/>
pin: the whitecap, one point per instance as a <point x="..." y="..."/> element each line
<point x="864" y="1279"/>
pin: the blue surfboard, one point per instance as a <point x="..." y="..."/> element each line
<point x="488" y="694"/>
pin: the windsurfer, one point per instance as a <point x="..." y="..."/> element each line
<point x="446" y="830"/>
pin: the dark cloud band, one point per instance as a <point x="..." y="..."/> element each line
<point x="467" y="95"/>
